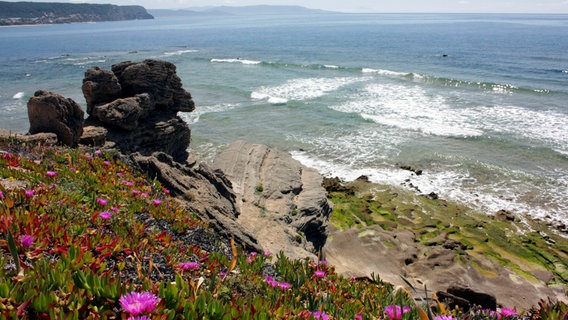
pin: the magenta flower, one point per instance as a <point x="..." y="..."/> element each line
<point x="105" y="215"/>
<point x="267" y="254"/>
<point x="26" y="240"/>
<point x="271" y="282"/>
<point x="127" y="183"/>
<point x="358" y="317"/>
<point x="320" y="315"/>
<point x="1" y="194"/>
<point x="51" y="173"/>
<point x="284" y="285"/>
<point x="189" y="266"/>
<point x="98" y="152"/>
<point x="319" y="273"/>
<point x="29" y="193"/>
<point x="396" y="312"/>
<point x="135" y="192"/>
<point x="107" y="163"/>
<point x="136" y="303"/>
<point x="506" y="312"/>
<point x="102" y="202"/>
<point x="445" y="318"/>
<point x="139" y="318"/>
<point x="145" y="195"/>
<point x="157" y="202"/>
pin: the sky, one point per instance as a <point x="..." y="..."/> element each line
<point x="467" y="6"/>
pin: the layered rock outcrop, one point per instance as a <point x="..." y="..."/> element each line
<point x="282" y="202"/>
<point x="137" y="103"/>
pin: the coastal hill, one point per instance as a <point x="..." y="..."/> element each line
<point x="255" y="10"/>
<point x="20" y="13"/>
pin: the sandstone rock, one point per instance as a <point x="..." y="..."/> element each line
<point x="125" y="113"/>
<point x="157" y="78"/>
<point x="281" y="201"/>
<point x="93" y="136"/>
<point x="99" y="87"/>
<point x="44" y="138"/>
<point x="201" y="190"/>
<point x="51" y="112"/>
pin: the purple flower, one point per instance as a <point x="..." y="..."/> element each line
<point x="267" y="254"/>
<point x="145" y="195"/>
<point x="284" y="285"/>
<point x="127" y="183"/>
<point x="98" y="152"/>
<point x="29" y="193"/>
<point x="157" y="202"/>
<point x="27" y="240"/>
<point x="358" y="317"/>
<point x="1" y="194"/>
<point x="445" y="318"/>
<point x="105" y="215"/>
<point x="189" y="266"/>
<point x="319" y="273"/>
<point x="107" y="163"/>
<point x="271" y="282"/>
<point x="396" y="312"/>
<point x="506" y="312"/>
<point x="135" y="192"/>
<point x="139" y="318"/>
<point x="102" y="201"/>
<point x="51" y="173"/>
<point x="320" y="315"/>
<point x="136" y="303"/>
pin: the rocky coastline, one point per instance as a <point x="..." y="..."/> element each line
<point x="35" y="13"/>
<point x="267" y="201"/>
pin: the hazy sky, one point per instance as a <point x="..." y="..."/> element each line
<point x="498" y="6"/>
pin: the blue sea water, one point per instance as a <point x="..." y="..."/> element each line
<point x="478" y="102"/>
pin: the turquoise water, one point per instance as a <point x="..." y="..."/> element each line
<point x="478" y="102"/>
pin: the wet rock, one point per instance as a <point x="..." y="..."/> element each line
<point x="51" y="112"/>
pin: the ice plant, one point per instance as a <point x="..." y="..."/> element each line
<point x="445" y="318"/>
<point x="396" y="312"/>
<point x="26" y="240"/>
<point x="139" y="318"/>
<point x="320" y="315"/>
<point x="29" y="193"/>
<point x="157" y="202"/>
<point x="189" y="266"/>
<point x="319" y="273"/>
<point x="51" y="173"/>
<point x="284" y="285"/>
<point x="506" y="312"/>
<point x="105" y="215"/>
<point x="137" y="303"/>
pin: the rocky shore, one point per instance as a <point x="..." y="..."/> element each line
<point x="267" y="201"/>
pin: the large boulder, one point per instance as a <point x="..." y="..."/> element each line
<point x="157" y="78"/>
<point x="51" y="112"/>
<point x="99" y="87"/>
<point x="125" y="113"/>
<point x="202" y="190"/>
<point x="281" y="201"/>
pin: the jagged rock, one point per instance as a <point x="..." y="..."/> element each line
<point x="51" y="112"/>
<point x="44" y="138"/>
<point x="157" y="78"/>
<point x="202" y="190"/>
<point x="125" y="113"/>
<point x="505" y="215"/>
<point x="486" y="301"/>
<point x="93" y="136"/>
<point x="99" y="87"/>
<point x="281" y="201"/>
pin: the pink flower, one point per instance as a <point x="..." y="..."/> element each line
<point x="107" y="163"/>
<point x="127" y="183"/>
<point x="445" y="318"/>
<point x="267" y="254"/>
<point x="320" y="315"/>
<point x="319" y="273"/>
<point x="105" y="215"/>
<point x="102" y="202"/>
<point x="271" y="282"/>
<point x="29" y="193"/>
<point x="135" y="192"/>
<point x="167" y="191"/>
<point x="358" y="317"/>
<point x="157" y="202"/>
<point x="284" y="285"/>
<point x="1" y="194"/>
<point x="136" y="303"/>
<point x="189" y="266"/>
<point x="506" y="312"/>
<point x="139" y="318"/>
<point x="396" y="312"/>
<point x="119" y="174"/>
<point x="51" y="173"/>
<point x="27" y="240"/>
<point x="98" y="152"/>
<point x="145" y="195"/>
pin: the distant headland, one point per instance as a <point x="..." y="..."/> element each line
<point x="25" y="13"/>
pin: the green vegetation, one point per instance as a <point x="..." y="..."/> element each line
<point x="83" y="236"/>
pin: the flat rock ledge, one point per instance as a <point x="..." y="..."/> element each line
<point x="281" y="201"/>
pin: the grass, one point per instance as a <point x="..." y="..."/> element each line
<point x="79" y="230"/>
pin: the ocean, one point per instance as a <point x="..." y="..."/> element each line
<point x="478" y="102"/>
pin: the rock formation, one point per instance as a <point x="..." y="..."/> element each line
<point x="137" y="102"/>
<point x="51" y="112"/>
<point x="281" y="201"/>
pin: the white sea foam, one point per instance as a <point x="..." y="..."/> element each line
<point x="89" y="62"/>
<point x="302" y="89"/>
<point x="18" y="95"/>
<point x="330" y="66"/>
<point x="236" y="60"/>
<point x="385" y="72"/>
<point x="193" y="117"/>
<point x="409" y="108"/>
<point x="179" y="52"/>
